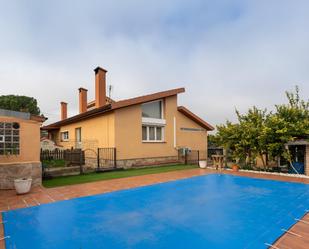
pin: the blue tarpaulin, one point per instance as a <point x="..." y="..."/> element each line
<point x="213" y="211"/>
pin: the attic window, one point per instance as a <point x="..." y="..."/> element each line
<point x="9" y="138"/>
<point x="153" y="110"/>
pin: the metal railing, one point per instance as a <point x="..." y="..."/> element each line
<point x="106" y="158"/>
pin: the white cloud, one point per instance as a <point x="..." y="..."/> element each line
<point x="226" y="54"/>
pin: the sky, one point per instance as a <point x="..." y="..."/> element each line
<point x="227" y="54"/>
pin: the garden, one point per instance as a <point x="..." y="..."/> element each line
<point x="259" y="139"/>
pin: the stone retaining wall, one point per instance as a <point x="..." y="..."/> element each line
<point x="66" y="171"/>
<point x="141" y="162"/>
<point x="11" y="171"/>
<point x="132" y="163"/>
<point x="91" y="162"/>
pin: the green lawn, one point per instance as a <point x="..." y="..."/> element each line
<point x="54" y="163"/>
<point x="92" y="177"/>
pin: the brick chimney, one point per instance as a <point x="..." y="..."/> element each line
<point x="64" y="110"/>
<point x="100" y="87"/>
<point x="82" y="100"/>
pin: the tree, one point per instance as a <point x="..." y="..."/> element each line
<point x="212" y="141"/>
<point x="290" y="121"/>
<point x="244" y="137"/>
<point x="261" y="134"/>
<point x="19" y="103"/>
<point x="251" y="125"/>
<point x="228" y="135"/>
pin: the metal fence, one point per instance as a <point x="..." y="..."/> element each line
<point x="187" y="156"/>
<point x="106" y="158"/>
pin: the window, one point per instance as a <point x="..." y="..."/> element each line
<point x="9" y="138"/>
<point x="65" y="136"/>
<point x="144" y="133"/>
<point x="152" y="110"/>
<point x="78" y="134"/>
<point x="153" y="122"/>
<point x="78" y="138"/>
<point x="158" y="133"/>
<point x="152" y="133"/>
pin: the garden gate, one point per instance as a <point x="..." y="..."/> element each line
<point x="106" y="158"/>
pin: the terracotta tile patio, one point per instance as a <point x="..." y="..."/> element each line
<point x="40" y="195"/>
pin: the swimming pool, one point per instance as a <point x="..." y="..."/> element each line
<point x="213" y="211"/>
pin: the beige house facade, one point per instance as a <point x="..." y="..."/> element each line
<point x="149" y="129"/>
<point x="19" y="147"/>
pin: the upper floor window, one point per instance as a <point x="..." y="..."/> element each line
<point x="153" y="110"/>
<point x="65" y="136"/>
<point x="9" y="138"/>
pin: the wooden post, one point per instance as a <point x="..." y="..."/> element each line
<point x="81" y="162"/>
<point x="98" y="158"/>
<point x="186" y="154"/>
<point x="198" y="157"/>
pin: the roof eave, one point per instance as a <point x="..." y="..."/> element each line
<point x="147" y="98"/>
<point x="195" y="118"/>
<point x="79" y="117"/>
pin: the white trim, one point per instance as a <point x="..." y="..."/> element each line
<point x="1" y="138"/>
<point x="153" y="121"/>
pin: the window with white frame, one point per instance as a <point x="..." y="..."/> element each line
<point x="153" y="121"/>
<point x="152" y="133"/>
<point x="65" y="136"/>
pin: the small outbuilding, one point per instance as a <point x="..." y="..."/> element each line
<point x="19" y="147"/>
<point x="299" y="149"/>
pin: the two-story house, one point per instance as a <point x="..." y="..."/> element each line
<point x="149" y="129"/>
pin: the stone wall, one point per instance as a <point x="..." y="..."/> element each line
<point x="11" y="171"/>
<point x="91" y="162"/>
<point x="66" y="171"/>
<point x="132" y="163"/>
<point x="142" y="162"/>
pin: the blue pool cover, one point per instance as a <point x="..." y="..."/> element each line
<point x="213" y="211"/>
